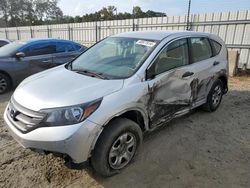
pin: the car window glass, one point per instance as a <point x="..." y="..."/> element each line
<point x="77" y="47"/>
<point x="201" y="49"/>
<point x="109" y="50"/>
<point x="217" y="47"/>
<point x="174" y="55"/>
<point x="115" y="57"/>
<point x="40" y="49"/>
<point x="2" y="43"/>
<point x="64" y="47"/>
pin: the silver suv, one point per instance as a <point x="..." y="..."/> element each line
<point x="98" y="106"/>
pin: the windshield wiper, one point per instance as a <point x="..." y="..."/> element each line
<point x="90" y="73"/>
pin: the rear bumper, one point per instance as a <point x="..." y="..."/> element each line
<point x="76" y="141"/>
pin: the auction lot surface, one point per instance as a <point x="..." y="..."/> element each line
<point x="198" y="150"/>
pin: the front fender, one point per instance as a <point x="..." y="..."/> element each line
<point x="127" y="99"/>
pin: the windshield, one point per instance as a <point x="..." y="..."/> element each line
<point x="115" y="57"/>
<point x="10" y="49"/>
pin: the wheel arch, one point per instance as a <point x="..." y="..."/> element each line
<point x="8" y="75"/>
<point x="134" y="114"/>
<point x="223" y="78"/>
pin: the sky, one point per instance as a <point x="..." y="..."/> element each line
<point x="170" y="7"/>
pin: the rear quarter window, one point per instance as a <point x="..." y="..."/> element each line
<point x="78" y="47"/>
<point x="216" y="47"/>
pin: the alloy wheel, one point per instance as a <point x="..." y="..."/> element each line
<point x="216" y="96"/>
<point x="3" y="85"/>
<point x="122" y="151"/>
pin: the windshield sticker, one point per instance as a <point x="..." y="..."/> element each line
<point x="145" y="43"/>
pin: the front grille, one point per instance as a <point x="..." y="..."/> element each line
<point x="23" y="119"/>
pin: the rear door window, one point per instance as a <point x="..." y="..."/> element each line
<point x="201" y="49"/>
<point x="64" y="47"/>
<point x="42" y="48"/>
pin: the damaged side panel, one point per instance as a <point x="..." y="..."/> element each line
<point x="168" y="94"/>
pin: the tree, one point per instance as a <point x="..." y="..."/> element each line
<point x="13" y="11"/>
<point x="28" y="12"/>
<point x="108" y="13"/>
<point x="48" y="10"/>
<point x="112" y="10"/>
<point x="67" y="19"/>
<point x="151" y="13"/>
<point x="37" y="12"/>
<point x="78" y="19"/>
<point x="4" y="9"/>
<point x="30" y="16"/>
<point x="104" y="13"/>
<point x="137" y="12"/>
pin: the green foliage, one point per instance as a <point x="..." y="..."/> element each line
<point x="29" y="12"/>
<point x="110" y="13"/>
<point x="37" y="12"/>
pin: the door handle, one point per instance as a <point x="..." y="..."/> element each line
<point x="187" y="74"/>
<point x="46" y="61"/>
<point x="216" y="63"/>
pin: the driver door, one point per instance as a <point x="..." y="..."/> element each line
<point x="170" y="86"/>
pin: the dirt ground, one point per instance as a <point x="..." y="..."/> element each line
<point x="198" y="150"/>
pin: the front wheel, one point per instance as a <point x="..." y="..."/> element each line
<point x="5" y="83"/>
<point x="116" y="146"/>
<point x="214" y="97"/>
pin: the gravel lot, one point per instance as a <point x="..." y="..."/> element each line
<point x="198" y="150"/>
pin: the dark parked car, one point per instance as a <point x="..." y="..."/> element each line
<point x="19" y="59"/>
<point x="3" y="42"/>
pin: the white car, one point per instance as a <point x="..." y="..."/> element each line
<point x="98" y="106"/>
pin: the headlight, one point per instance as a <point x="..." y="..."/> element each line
<point x="71" y="114"/>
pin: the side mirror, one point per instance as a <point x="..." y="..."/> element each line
<point x="20" y="55"/>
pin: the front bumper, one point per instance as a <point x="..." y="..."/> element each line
<point x="76" y="141"/>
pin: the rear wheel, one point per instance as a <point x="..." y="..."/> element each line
<point x="116" y="146"/>
<point x="5" y="83"/>
<point x="214" y="97"/>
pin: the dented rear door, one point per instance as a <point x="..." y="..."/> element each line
<point x="205" y="66"/>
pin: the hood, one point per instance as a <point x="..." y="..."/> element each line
<point x="60" y="87"/>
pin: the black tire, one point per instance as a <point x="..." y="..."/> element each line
<point x="211" y="106"/>
<point x="100" y="159"/>
<point x="5" y="83"/>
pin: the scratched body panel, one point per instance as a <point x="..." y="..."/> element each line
<point x="171" y="94"/>
<point x="168" y="94"/>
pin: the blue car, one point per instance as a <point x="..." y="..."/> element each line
<point x="21" y="59"/>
